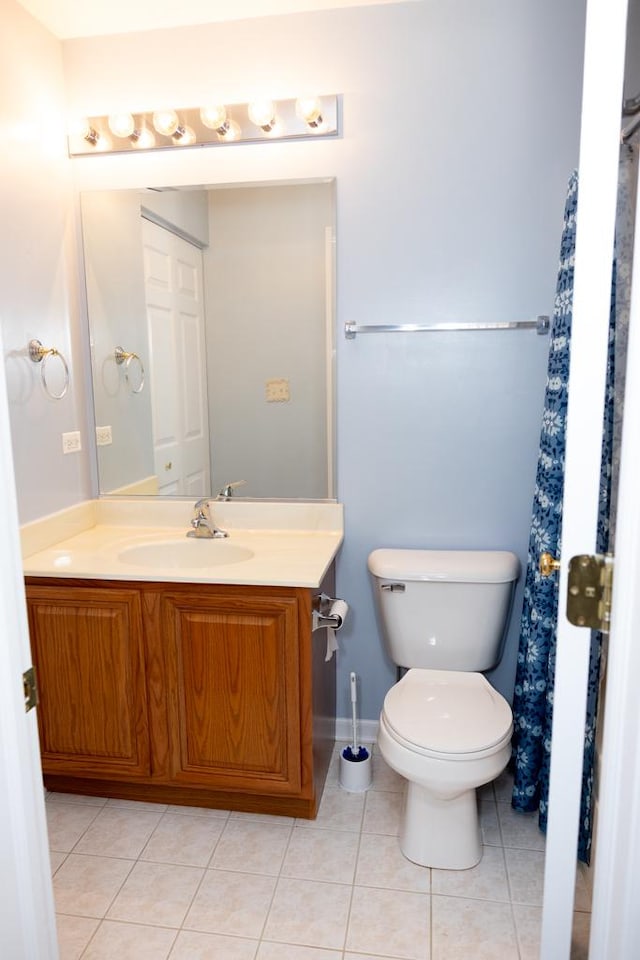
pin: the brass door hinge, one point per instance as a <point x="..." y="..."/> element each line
<point x="30" y="689"/>
<point x="589" y="591"/>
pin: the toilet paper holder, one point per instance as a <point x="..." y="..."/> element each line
<point x="327" y="612"/>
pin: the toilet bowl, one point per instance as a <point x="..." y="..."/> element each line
<point x="443" y="726"/>
<point x="447" y="733"/>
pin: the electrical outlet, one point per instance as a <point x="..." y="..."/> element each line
<point x="277" y="391"/>
<point x="71" y="442"/>
<point x="103" y="436"/>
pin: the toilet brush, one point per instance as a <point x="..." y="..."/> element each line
<point x="355" y="760"/>
<point x="354" y="752"/>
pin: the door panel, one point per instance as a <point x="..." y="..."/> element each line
<point x="164" y="391"/>
<point x="157" y="267"/>
<point x="87" y="648"/>
<point x="194" y="440"/>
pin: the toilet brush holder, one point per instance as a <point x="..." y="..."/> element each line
<point x="355" y="769"/>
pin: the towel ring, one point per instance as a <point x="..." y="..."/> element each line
<point x="123" y="357"/>
<point x="40" y="354"/>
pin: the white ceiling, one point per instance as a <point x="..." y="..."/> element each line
<point x="87" y="18"/>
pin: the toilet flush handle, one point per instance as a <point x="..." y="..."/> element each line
<point x="393" y="587"/>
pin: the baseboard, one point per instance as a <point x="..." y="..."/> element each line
<point x="367" y="730"/>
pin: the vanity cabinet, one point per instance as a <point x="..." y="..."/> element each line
<point x="204" y="694"/>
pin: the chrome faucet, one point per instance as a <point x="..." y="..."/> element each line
<point x="227" y="491"/>
<point x="203" y="524"/>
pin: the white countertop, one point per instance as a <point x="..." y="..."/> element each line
<point x="292" y="544"/>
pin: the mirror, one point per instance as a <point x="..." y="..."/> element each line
<point x="211" y="328"/>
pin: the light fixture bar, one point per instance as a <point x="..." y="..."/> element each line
<point x="289" y="123"/>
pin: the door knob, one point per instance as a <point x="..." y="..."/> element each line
<point x="548" y="564"/>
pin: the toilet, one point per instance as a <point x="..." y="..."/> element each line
<point x="443" y="727"/>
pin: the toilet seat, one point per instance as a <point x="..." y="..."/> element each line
<point x="447" y="714"/>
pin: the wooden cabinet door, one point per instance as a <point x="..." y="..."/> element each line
<point x="88" y="652"/>
<point x="233" y="694"/>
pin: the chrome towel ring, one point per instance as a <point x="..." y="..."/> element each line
<point x="123" y="357"/>
<point x="40" y="354"/>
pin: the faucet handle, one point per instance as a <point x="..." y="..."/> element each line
<point x="227" y="491"/>
<point x="201" y="507"/>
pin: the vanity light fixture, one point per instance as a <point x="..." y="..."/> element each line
<point x="210" y="125"/>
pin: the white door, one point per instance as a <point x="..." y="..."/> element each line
<point x="615" y="925"/>
<point x="27" y="922"/>
<point x="599" y="151"/>
<point x="177" y="362"/>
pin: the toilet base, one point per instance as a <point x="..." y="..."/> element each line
<point x="441" y="833"/>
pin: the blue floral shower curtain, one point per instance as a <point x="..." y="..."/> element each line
<point x="533" y="698"/>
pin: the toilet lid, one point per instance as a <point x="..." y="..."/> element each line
<point x="447" y="711"/>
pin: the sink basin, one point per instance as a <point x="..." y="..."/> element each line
<point x="178" y="554"/>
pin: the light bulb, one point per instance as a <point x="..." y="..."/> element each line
<point x="82" y="129"/>
<point x="166" y="122"/>
<point x="102" y="143"/>
<point x="184" y="137"/>
<point x="214" y="117"/>
<point x="121" y="124"/>
<point x="144" y="140"/>
<point x="309" y="109"/>
<point x="262" y="113"/>
<point x="231" y="132"/>
<point x="79" y="127"/>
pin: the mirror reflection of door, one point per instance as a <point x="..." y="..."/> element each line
<point x="175" y="322"/>
<point x="265" y="257"/>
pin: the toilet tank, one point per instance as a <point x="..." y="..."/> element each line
<point x="444" y="609"/>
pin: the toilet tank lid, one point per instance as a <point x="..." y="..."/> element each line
<point x="461" y="566"/>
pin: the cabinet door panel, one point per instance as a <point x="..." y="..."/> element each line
<point x="87" y="648"/>
<point x="234" y="668"/>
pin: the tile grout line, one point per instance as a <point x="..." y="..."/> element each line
<point x="199" y="885"/>
<point x="353" y="879"/>
<point x="260" y="939"/>
<point x="514" y="923"/>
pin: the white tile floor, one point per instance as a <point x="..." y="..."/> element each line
<point x="151" y="882"/>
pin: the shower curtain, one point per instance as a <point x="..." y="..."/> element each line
<point x="533" y="697"/>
